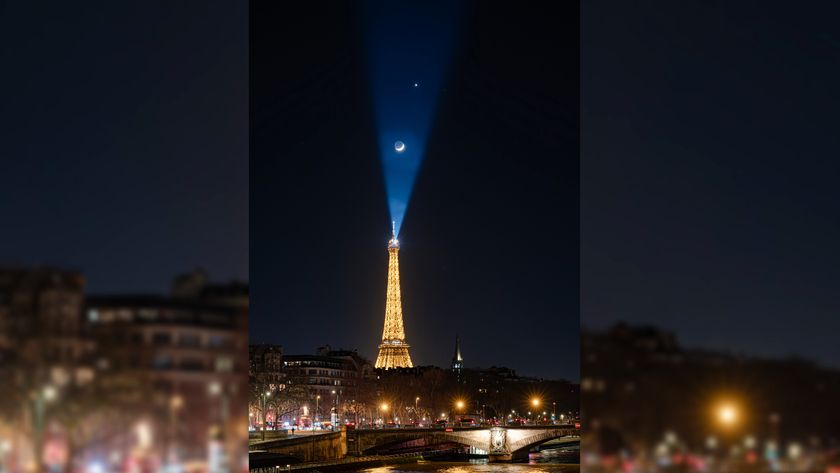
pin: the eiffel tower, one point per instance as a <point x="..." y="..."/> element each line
<point x="393" y="351"/>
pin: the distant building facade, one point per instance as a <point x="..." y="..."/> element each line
<point x="265" y="366"/>
<point x="107" y="364"/>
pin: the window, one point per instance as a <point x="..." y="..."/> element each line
<point x="189" y="340"/>
<point x="224" y="364"/>
<point x="191" y="364"/>
<point x="162" y="362"/>
<point x="161" y="338"/>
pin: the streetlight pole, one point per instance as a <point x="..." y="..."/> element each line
<point x="317" y="400"/>
<point x="335" y="421"/>
<point x="416" y="400"/>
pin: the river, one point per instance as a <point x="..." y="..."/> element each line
<point x="555" y="460"/>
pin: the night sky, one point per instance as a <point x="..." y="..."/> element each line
<point x="489" y="245"/>
<point x="124" y="133"/>
<point x="709" y="172"/>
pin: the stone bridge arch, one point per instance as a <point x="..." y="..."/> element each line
<point x="500" y="443"/>
<point x="479" y="439"/>
<point x="526" y="443"/>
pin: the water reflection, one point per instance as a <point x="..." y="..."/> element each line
<point x="556" y="460"/>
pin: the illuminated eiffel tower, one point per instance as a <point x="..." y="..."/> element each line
<point x="393" y="351"/>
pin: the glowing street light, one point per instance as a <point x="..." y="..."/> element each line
<point x="727" y="415"/>
<point x="384" y="408"/>
<point x="535" y="402"/>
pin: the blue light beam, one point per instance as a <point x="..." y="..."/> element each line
<point x="409" y="45"/>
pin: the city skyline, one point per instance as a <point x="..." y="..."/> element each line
<point x="489" y="244"/>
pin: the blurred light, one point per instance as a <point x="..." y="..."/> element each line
<point x="144" y="435"/>
<point x="384" y="406"/>
<point x="50" y="393"/>
<point x="535" y="402"/>
<point x="670" y="438"/>
<point x="727" y="414"/>
<point x="794" y="450"/>
<point x="176" y="402"/>
<point x="214" y="388"/>
<point x="711" y="443"/>
<point x="749" y="442"/>
<point x="95" y="467"/>
<point x="459" y="404"/>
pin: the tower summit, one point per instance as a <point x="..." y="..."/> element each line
<point x="393" y="351"/>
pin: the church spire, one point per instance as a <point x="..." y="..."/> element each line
<point x="457" y="360"/>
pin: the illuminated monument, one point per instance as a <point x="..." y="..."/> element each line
<point x="393" y="351"/>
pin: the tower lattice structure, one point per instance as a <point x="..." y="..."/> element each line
<point x="393" y="351"/>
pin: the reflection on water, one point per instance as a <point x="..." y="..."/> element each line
<point x="558" y="460"/>
<point x="562" y="456"/>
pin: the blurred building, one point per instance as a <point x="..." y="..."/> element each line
<point x="40" y="315"/>
<point x="188" y="349"/>
<point x="642" y="391"/>
<point x="124" y="377"/>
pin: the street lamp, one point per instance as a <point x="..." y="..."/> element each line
<point x="317" y="400"/>
<point x="175" y="404"/>
<point x="416" y="400"/>
<point x="335" y="410"/>
<point x="535" y="402"/>
<point x="41" y="397"/>
<point x="264" y="398"/>
<point x="384" y="408"/>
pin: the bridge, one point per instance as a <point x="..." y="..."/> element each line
<point x="499" y="443"/>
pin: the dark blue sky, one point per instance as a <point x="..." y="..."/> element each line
<point x="709" y="172"/>
<point x="124" y="133"/>
<point x="490" y="240"/>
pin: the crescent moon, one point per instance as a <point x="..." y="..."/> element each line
<point x="399" y="146"/>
